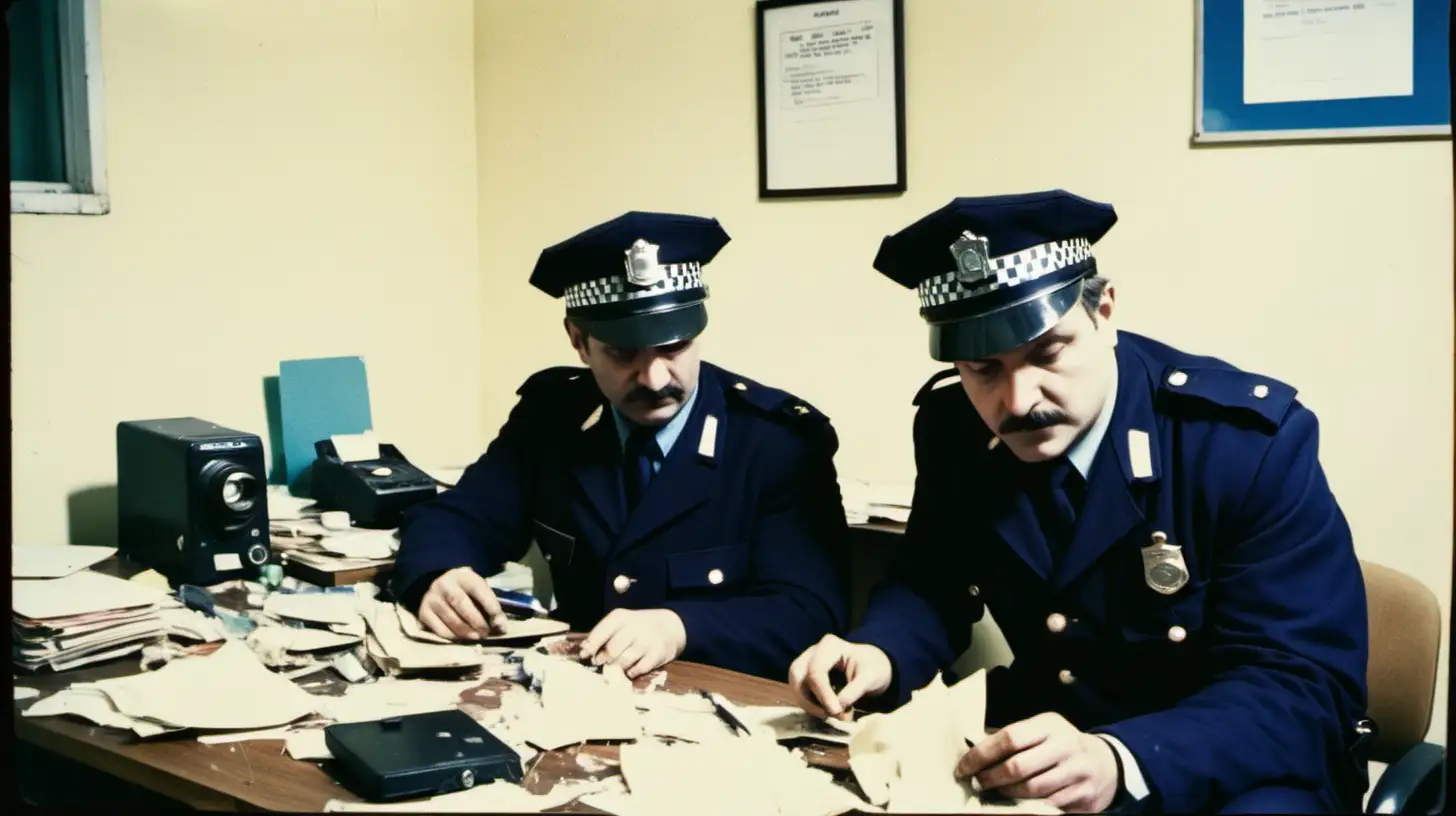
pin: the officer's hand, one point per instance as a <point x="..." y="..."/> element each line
<point x="866" y="669"/>
<point x="636" y="640"/>
<point x="460" y="605"/>
<point x="1046" y="757"/>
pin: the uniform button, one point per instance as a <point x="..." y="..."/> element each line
<point x="622" y="583"/>
<point x="740" y="386"/>
<point x="1261" y="391"/>
<point x="1056" y="622"/>
<point x="991" y="445"/>
<point x="1177" y="634"/>
<point x="715" y="577"/>
<point x="800" y="410"/>
<point x="974" y="590"/>
<point x="1065" y="675"/>
<point x="1177" y="378"/>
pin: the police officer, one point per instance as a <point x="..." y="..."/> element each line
<point x="1152" y="531"/>
<point x="685" y="511"/>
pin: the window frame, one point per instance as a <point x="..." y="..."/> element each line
<point x="83" y="122"/>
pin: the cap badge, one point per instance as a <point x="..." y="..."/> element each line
<point x="642" y="267"/>
<point x="973" y="259"/>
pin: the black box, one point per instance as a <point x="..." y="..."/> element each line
<point x="419" y="755"/>
<point x="376" y="492"/>
<point x="192" y="500"/>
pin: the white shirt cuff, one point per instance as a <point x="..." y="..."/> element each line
<point x="1132" y="776"/>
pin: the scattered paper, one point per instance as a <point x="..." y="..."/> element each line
<point x="228" y="689"/>
<point x="360" y="447"/>
<point x="29" y="561"/>
<point x="516" y="629"/>
<point x="88" y="702"/>
<point x="792" y="722"/>
<point x="308" y="744"/>
<point x="905" y="761"/>
<point x="283" y="505"/>
<point x="25" y="693"/>
<point x="391" y="697"/>
<point x="367" y="544"/>
<point x="79" y="593"/>
<point x="751" y="775"/>
<point x="403" y="654"/>
<point x="314" y="607"/>
<point x="153" y="579"/>
<point x="579" y="704"/>
<point x="242" y="736"/>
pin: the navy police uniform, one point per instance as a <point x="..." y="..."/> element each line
<point x="740" y="530"/>
<point x="1205" y="609"/>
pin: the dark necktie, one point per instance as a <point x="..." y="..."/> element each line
<point x="640" y="453"/>
<point x="1061" y="492"/>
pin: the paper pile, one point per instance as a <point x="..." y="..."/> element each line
<point x="866" y="501"/>
<point x="85" y="617"/>
<point x="54" y="562"/>
<point x="294" y="528"/>
<point x="905" y="761"/>
<point x="228" y="689"/>
<point x="748" y="775"/>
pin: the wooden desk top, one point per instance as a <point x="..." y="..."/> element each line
<point x="258" y="774"/>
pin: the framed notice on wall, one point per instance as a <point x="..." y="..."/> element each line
<point x="831" y="97"/>
<point x="1272" y="70"/>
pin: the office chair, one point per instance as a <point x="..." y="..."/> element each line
<point x="1405" y="637"/>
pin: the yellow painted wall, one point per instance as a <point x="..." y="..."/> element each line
<point x="287" y="180"/>
<point x="1327" y="266"/>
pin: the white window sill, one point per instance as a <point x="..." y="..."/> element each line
<point x="58" y="202"/>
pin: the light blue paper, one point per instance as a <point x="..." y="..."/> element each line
<point x="318" y="399"/>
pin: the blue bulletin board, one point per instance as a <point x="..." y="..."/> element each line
<point x="1272" y="70"/>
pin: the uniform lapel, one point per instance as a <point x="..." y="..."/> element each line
<point x="1016" y="521"/>
<point x="596" y="465"/>
<point x="1128" y="455"/>
<point x="689" y="474"/>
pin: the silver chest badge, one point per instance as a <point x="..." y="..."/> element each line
<point x="642" y="266"/>
<point x="1163" y="565"/>
<point x="972" y="259"/>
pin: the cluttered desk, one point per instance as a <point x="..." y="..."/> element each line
<point x="240" y="649"/>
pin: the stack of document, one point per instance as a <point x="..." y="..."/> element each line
<point x="84" y="617"/>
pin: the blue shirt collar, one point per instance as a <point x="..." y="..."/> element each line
<point x="667" y="434"/>
<point x="1084" y="450"/>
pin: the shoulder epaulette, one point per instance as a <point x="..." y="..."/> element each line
<point x="550" y="377"/>
<point x="931" y="384"/>
<point x="771" y="402"/>
<point x="1254" y="395"/>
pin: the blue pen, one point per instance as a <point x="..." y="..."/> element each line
<point x="521" y="604"/>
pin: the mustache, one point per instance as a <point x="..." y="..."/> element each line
<point x="1034" y="421"/>
<point x="651" y="397"/>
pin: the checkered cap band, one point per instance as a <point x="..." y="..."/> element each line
<point x="1011" y="270"/>
<point x="616" y="289"/>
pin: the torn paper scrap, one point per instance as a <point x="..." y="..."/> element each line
<point x="243" y="736"/>
<point x="86" y="701"/>
<point x="515" y="628"/>
<point x="359" y="447"/>
<point x="411" y="655"/>
<point x="389" y="697"/>
<point x="314" y="607"/>
<point x="968" y="707"/>
<point x="307" y="744"/>
<point x="25" y="693"/>
<point x="228" y="689"/>
<point x="31" y="561"/>
<point x="792" y="722"/>
<point x="580" y="704"/>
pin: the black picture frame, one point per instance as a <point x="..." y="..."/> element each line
<point x="766" y="8"/>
